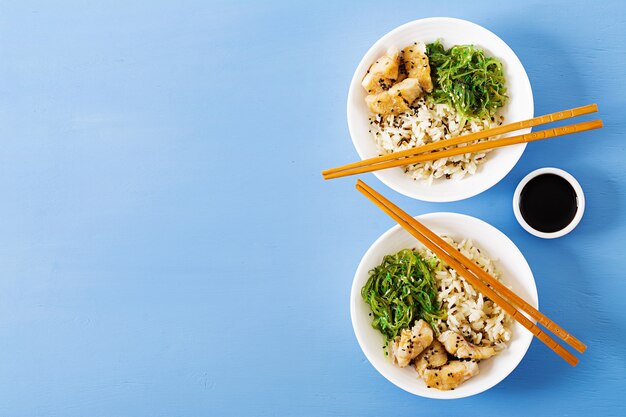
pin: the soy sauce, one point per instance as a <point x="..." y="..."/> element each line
<point x="548" y="203"/>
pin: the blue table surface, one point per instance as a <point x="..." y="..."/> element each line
<point x="169" y="248"/>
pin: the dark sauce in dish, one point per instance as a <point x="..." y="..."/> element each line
<point x="548" y="203"/>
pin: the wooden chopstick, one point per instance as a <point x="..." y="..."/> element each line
<point x="463" y="266"/>
<point x="498" y="130"/>
<point x="403" y="157"/>
<point x="513" y="140"/>
<point x="495" y="284"/>
<point x="405" y="221"/>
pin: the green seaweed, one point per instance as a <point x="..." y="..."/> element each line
<point x="467" y="80"/>
<point x="401" y="290"/>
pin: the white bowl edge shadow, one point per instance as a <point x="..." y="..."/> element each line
<point x="515" y="272"/>
<point x="520" y="107"/>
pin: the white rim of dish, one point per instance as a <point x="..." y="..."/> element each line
<point x="452" y="395"/>
<point x="366" y="59"/>
<point x="580" y="198"/>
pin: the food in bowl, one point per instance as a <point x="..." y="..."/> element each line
<point x="432" y="319"/>
<point x="427" y="93"/>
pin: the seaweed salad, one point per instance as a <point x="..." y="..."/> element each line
<point x="466" y="79"/>
<point x="401" y="290"/>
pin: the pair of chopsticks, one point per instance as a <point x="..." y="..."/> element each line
<point x="477" y="277"/>
<point x="423" y="153"/>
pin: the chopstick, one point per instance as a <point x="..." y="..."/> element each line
<point x="409" y="156"/>
<point x="495" y="284"/>
<point x="413" y="227"/>
<point x="529" y="137"/>
<point x="466" y="268"/>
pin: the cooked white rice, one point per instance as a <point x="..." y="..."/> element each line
<point x="427" y="122"/>
<point x="470" y="313"/>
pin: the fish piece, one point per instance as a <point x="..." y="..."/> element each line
<point x="410" y="343"/>
<point x="456" y="345"/>
<point x="417" y="65"/>
<point x="449" y="376"/>
<point x="401" y="69"/>
<point x="397" y="99"/>
<point x="408" y="89"/>
<point x="383" y="73"/>
<point x="434" y="356"/>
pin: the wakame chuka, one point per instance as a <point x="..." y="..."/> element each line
<point x="466" y="79"/>
<point x="401" y="290"/>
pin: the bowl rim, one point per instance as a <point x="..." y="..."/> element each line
<point x="355" y="296"/>
<point x="484" y="185"/>
<point x="580" y="196"/>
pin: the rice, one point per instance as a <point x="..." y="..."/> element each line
<point x="425" y="123"/>
<point x="470" y="313"/>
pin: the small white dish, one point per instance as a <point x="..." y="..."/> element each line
<point x="580" y="197"/>
<point x="515" y="272"/>
<point x="519" y="107"/>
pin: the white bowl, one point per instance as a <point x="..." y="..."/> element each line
<point x="580" y="197"/>
<point x="515" y="272"/>
<point x="519" y="107"/>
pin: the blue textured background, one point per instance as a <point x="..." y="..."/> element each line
<point x="167" y="244"/>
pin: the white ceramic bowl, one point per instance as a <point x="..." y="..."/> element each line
<point x="450" y="32"/>
<point x="515" y="272"/>
<point x="580" y="197"/>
